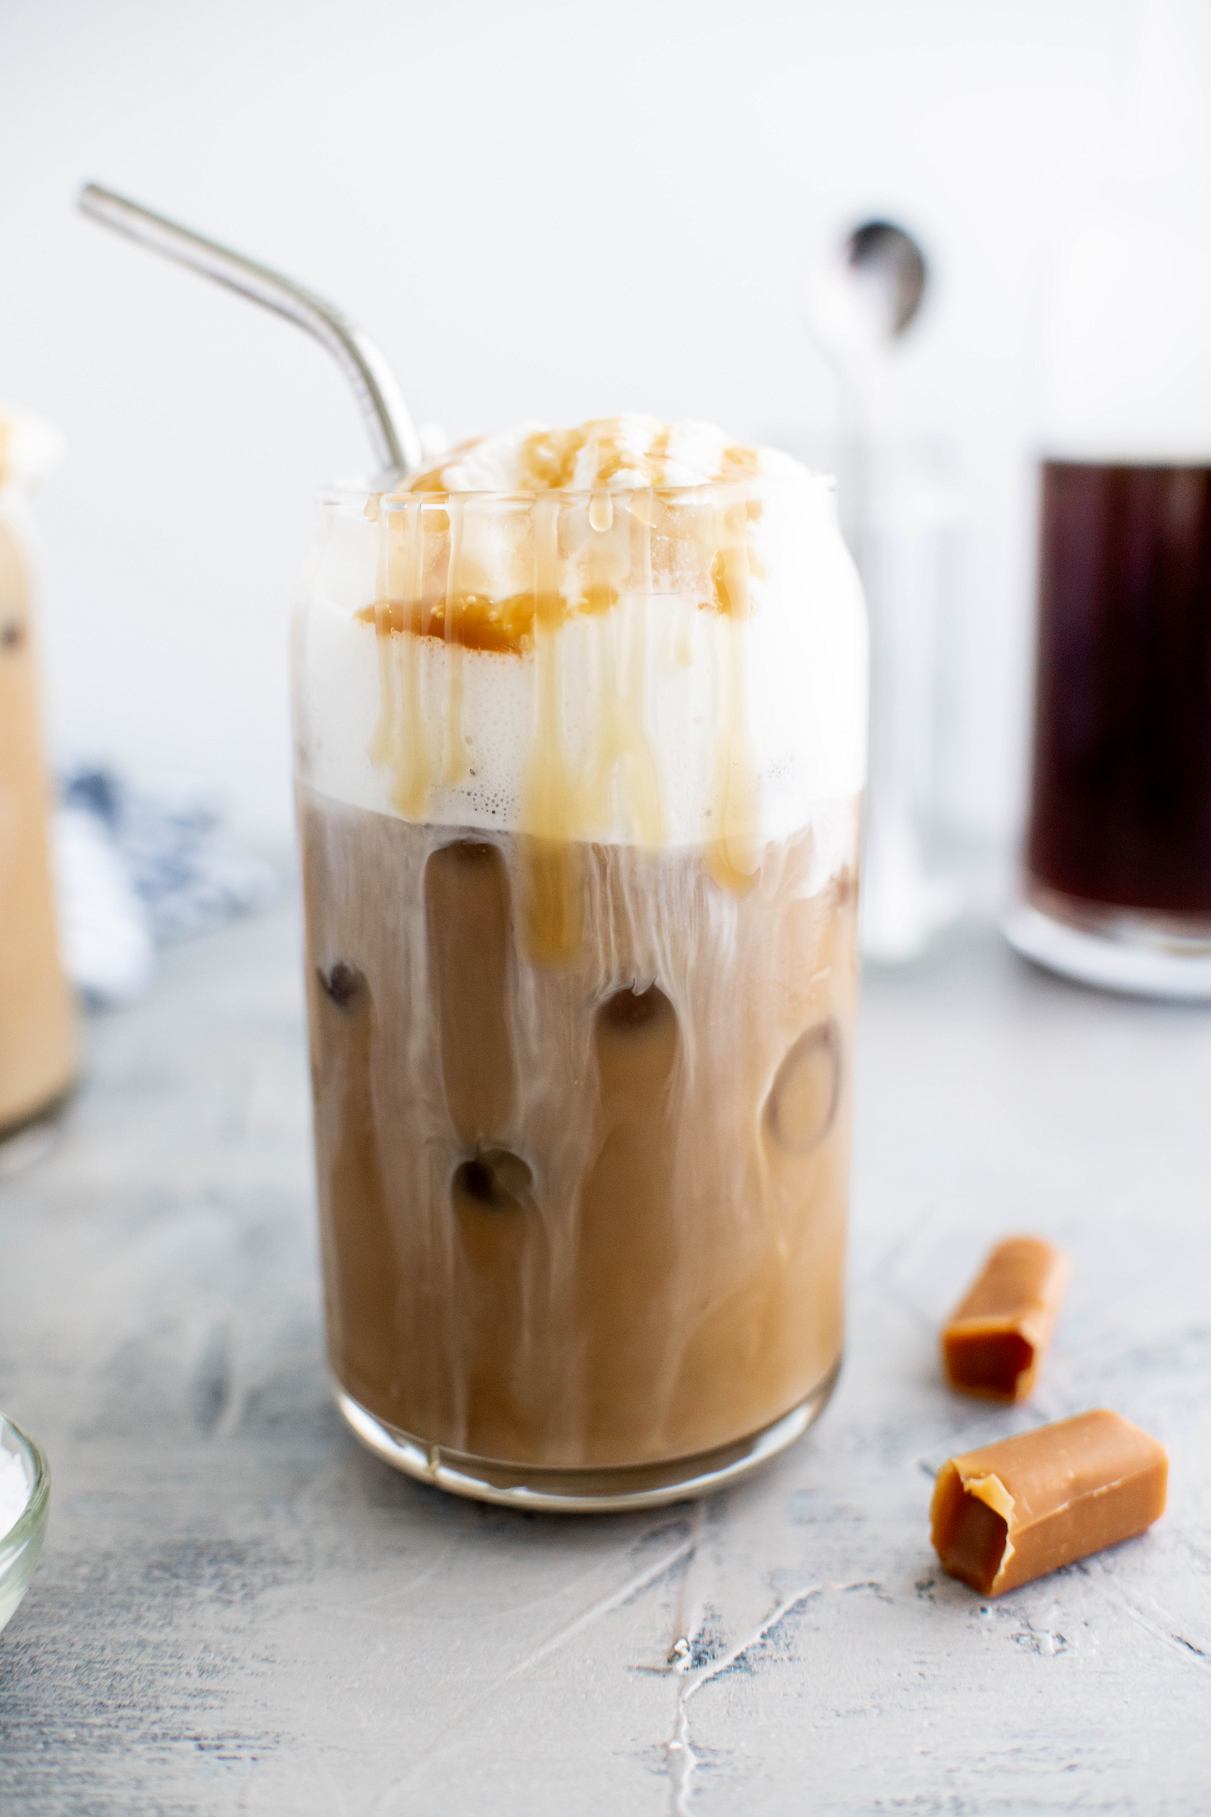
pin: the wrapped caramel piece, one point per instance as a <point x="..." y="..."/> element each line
<point x="994" y="1340"/>
<point x="1012" y="1511"/>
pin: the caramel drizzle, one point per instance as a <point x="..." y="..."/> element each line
<point x="547" y="460"/>
<point x="733" y="854"/>
<point x="399" y="742"/>
<point x="458" y="757"/>
<point x="554" y="899"/>
<point x="423" y="596"/>
<point x="456" y="612"/>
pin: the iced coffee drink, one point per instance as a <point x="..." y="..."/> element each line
<point x="580" y="723"/>
<point x="37" y="1016"/>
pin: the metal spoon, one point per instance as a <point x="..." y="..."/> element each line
<point x="861" y="297"/>
<point x="396" y="444"/>
<point x="891" y="269"/>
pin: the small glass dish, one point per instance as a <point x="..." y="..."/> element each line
<point x="21" y="1546"/>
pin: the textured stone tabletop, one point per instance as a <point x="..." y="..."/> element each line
<point x="240" y="1611"/>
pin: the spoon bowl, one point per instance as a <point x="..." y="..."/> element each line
<point x="888" y="274"/>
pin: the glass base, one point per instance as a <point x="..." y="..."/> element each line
<point x="1114" y="958"/>
<point x="583" y="1491"/>
<point x="33" y="1136"/>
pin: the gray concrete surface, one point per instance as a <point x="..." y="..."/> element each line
<point x="240" y="1611"/>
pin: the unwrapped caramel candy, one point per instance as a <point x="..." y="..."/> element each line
<point x="994" y="1340"/>
<point x="1012" y="1511"/>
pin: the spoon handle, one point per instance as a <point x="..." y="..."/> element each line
<point x="396" y="444"/>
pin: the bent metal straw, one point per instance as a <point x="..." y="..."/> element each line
<point x="396" y="444"/>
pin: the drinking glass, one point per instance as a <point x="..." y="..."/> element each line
<point x="1118" y="852"/>
<point x="38" y="1033"/>
<point x="579" y="785"/>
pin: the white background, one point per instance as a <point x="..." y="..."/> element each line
<point x="541" y="210"/>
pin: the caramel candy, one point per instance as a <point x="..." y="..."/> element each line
<point x="1010" y="1512"/>
<point x="994" y="1340"/>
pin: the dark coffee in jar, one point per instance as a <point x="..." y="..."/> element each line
<point x="1121" y="797"/>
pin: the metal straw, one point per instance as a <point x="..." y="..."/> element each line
<point x="396" y="444"/>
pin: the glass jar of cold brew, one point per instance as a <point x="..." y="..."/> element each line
<point x="1118" y="851"/>
<point x="579" y="775"/>
<point x="1117" y="871"/>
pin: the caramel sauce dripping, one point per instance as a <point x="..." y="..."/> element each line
<point x="548" y="459"/>
<point x="503" y="626"/>
<point x="554" y="905"/>
<point x="400" y="742"/>
<point x="734" y="855"/>
<point x="458" y="757"/>
<point x="597" y="554"/>
<point x="621" y="782"/>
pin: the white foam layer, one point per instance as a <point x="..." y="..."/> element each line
<point x="779" y="695"/>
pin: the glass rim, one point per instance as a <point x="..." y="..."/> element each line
<point x="26" y="1524"/>
<point x="358" y="490"/>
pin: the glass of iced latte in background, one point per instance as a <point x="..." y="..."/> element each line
<point x="38" y="1036"/>
<point x="580" y="722"/>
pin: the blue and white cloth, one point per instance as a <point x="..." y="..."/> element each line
<point x="138" y="866"/>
